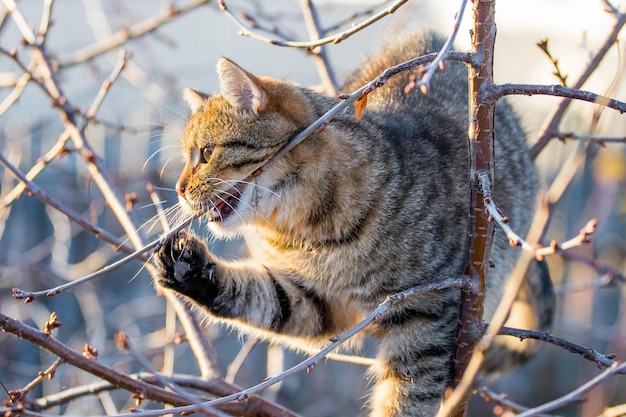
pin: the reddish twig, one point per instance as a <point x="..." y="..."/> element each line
<point x="538" y="252"/>
<point x="543" y="45"/>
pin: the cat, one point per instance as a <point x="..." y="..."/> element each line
<point x="354" y="213"/>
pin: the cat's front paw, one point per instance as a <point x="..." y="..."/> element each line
<point x="185" y="266"/>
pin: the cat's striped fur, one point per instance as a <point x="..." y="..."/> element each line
<point x="354" y="213"/>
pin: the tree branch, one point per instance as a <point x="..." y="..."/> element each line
<point x="336" y="38"/>
<point x="557" y="90"/>
<point x="591" y="354"/>
<point x="124" y="35"/>
<point x="481" y="139"/>
<point x="576" y="395"/>
<point x="552" y="125"/>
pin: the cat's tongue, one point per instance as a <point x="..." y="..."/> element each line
<point x="223" y="210"/>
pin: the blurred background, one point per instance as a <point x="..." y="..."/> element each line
<point x="137" y="134"/>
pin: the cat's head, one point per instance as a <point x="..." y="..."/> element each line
<point x="230" y="135"/>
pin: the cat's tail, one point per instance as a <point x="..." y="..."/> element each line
<point x="533" y="309"/>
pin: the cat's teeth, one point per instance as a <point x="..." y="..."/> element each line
<point x="213" y="214"/>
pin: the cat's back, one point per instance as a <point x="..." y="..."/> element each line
<point x="426" y="136"/>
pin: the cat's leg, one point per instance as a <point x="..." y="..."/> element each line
<point x="414" y="362"/>
<point x="242" y="291"/>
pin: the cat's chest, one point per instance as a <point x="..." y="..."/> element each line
<point x="331" y="266"/>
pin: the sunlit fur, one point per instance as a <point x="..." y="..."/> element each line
<point x="357" y="211"/>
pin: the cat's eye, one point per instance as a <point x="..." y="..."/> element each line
<point x="207" y="152"/>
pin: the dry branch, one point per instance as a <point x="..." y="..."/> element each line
<point x="591" y="354"/>
<point x="124" y="35"/>
<point x="558" y="91"/>
<point x="551" y="128"/>
<point x="336" y="38"/>
<point x="576" y="396"/>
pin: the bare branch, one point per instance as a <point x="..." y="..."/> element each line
<point x="429" y="71"/>
<point x="576" y="395"/>
<point x="600" y="140"/>
<point x="72" y="215"/>
<point x="503" y="400"/>
<point x="28" y="296"/>
<point x="558" y="91"/>
<point x="538" y="252"/>
<point x="591" y="354"/>
<point x="322" y="64"/>
<point x="336" y="38"/>
<point x="612" y="273"/>
<point x="72" y="357"/>
<point x="552" y="125"/>
<point x="124" y="35"/>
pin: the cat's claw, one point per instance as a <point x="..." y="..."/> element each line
<point x="186" y="267"/>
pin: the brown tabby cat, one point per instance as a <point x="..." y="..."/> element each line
<point x="354" y="213"/>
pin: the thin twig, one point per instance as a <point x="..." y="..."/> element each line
<point x="354" y="15"/>
<point x="429" y="71"/>
<point x="124" y="35"/>
<point x="600" y="140"/>
<point x="552" y="125"/>
<point x="320" y="56"/>
<point x="336" y="38"/>
<point x="122" y="60"/>
<point x="538" y="251"/>
<point x="502" y="399"/>
<point x="559" y="91"/>
<point x="72" y="215"/>
<point x="576" y="396"/>
<point x="28" y="296"/>
<point x="543" y="45"/>
<point x="613" y="273"/>
<point x="48" y="373"/>
<point x="237" y="362"/>
<point x="44" y="25"/>
<point x="125" y="342"/>
<point x="591" y="354"/>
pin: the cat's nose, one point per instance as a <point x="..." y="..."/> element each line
<point x="180" y="188"/>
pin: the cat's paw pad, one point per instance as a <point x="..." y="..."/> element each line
<point x="179" y="258"/>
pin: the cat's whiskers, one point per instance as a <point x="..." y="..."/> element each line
<point x="241" y="201"/>
<point x="150" y="224"/>
<point x="262" y="187"/>
<point x="162" y="171"/>
<point x="158" y="151"/>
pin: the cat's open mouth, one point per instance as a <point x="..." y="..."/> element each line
<point x="224" y="209"/>
<point x="227" y="205"/>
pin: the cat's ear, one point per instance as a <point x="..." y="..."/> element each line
<point x="240" y="88"/>
<point x="194" y="98"/>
